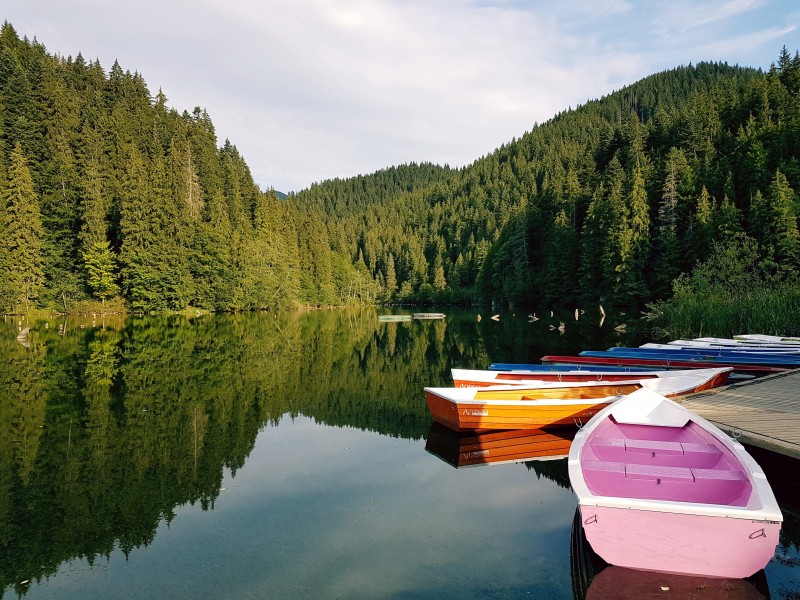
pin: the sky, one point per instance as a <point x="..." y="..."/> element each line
<point x="310" y="90"/>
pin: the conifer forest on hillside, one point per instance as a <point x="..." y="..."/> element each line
<point x="108" y="194"/>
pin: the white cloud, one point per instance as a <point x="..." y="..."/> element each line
<point x="680" y="17"/>
<point x="749" y="41"/>
<point x="314" y="89"/>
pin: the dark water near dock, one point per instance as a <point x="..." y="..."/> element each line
<point x="283" y="456"/>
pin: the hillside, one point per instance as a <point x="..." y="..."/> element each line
<point x="608" y="201"/>
<point x="107" y="194"/>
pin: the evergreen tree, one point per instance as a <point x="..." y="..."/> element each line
<point x="783" y="233"/>
<point x="211" y="260"/>
<point x="726" y="222"/>
<point x="390" y="278"/>
<point x="100" y="266"/>
<point x="703" y="218"/>
<point x="143" y="264"/>
<point x="21" y="275"/>
<point x="672" y="222"/>
<point x="634" y="245"/>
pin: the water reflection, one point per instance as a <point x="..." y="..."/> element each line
<point x="466" y="449"/>
<point x="593" y="579"/>
<point x="617" y="583"/>
<point x="110" y="428"/>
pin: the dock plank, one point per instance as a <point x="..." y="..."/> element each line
<point x="764" y="412"/>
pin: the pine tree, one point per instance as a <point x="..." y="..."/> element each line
<point x="60" y="189"/>
<point x="703" y="218"/>
<point x="100" y="265"/>
<point x="390" y="277"/>
<point x="438" y="280"/>
<point x="672" y="222"/>
<point x="634" y="245"/>
<point x="211" y="259"/>
<point x="141" y="261"/>
<point x="784" y="234"/>
<point x="726" y="222"/>
<point x="21" y="275"/>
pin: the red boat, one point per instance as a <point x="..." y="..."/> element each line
<point x="656" y="363"/>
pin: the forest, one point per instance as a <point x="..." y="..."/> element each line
<point x="109" y="196"/>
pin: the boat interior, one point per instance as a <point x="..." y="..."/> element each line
<point x="682" y="464"/>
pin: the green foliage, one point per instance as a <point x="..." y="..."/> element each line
<point x="734" y="290"/>
<point x="100" y="270"/>
<point x="21" y="275"/>
<point x="106" y="429"/>
<point x="608" y="202"/>
<point x="111" y="164"/>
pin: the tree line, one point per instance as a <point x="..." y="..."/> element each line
<point x="611" y="201"/>
<point x="106" y="193"/>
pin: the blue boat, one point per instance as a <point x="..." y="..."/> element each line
<point x="708" y="353"/>
<point x="548" y="368"/>
<point x="711" y="347"/>
<point x="714" y="357"/>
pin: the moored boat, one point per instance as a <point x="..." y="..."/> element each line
<point x="662" y="489"/>
<point x="719" y="349"/>
<point x="710" y="356"/>
<point x="483" y="378"/>
<point x="747" y="354"/>
<point x="545" y="404"/>
<point x="429" y="315"/>
<point x="769" y="339"/>
<point x="538" y="367"/>
<point x="764" y="342"/>
<point x="618" y="360"/>
<point x="393" y="318"/>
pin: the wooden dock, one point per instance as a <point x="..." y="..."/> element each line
<point x="763" y="412"/>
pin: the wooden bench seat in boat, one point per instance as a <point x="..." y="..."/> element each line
<point x="665" y="482"/>
<point x="658" y="473"/>
<point x="675" y="454"/>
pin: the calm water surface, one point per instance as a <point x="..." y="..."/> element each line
<point x="284" y="456"/>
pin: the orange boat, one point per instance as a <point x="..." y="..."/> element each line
<point x="548" y="403"/>
<point x="469" y="449"/>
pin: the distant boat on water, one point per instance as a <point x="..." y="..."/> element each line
<point x="393" y="318"/>
<point x="429" y="315"/>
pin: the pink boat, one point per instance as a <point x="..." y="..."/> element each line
<point x="662" y="489"/>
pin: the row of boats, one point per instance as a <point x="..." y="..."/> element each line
<point x="659" y="488"/>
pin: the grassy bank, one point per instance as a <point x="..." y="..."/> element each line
<point x="734" y="291"/>
<point x="722" y="314"/>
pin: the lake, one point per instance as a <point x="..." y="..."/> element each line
<point x="283" y="455"/>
